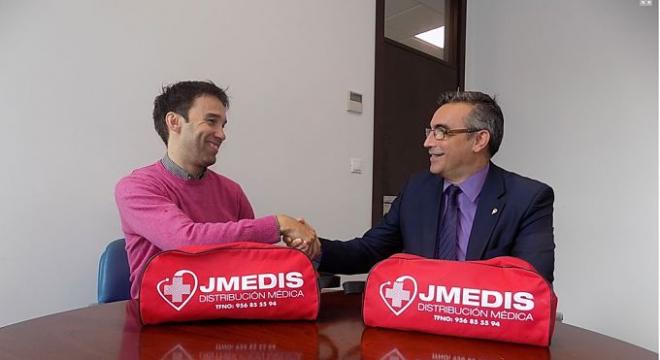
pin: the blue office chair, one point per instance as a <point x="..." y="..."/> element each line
<point x="113" y="282"/>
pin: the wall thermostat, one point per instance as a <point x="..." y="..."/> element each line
<point x="354" y="102"/>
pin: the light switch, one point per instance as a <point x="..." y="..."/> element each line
<point x="354" y="102"/>
<point x="356" y="166"/>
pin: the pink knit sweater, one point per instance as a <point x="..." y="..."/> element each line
<point x="160" y="211"/>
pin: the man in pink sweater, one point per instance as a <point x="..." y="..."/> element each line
<point x="178" y="201"/>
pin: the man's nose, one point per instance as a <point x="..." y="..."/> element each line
<point x="429" y="142"/>
<point x="220" y="133"/>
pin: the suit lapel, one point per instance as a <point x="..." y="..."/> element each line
<point x="431" y="216"/>
<point x="490" y="206"/>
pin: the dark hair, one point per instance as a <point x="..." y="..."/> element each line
<point x="485" y="115"/>
<point x="179" y="98"/>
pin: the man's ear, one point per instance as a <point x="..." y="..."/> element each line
<point x="173" y="121"/>
<point x="481" y="140"/>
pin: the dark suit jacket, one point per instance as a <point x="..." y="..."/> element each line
<point x="521" y="225"/>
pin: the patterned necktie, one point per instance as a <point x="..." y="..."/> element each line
<point x="448" y="234"/>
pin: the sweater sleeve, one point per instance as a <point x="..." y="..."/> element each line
<point x="147" y="211"/>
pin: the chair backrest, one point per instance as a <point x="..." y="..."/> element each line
<point x="113" y="279"/>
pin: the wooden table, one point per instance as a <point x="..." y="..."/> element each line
<point x="113" y="331"/>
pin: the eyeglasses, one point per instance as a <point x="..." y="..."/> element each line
<point x="441" y="133"/>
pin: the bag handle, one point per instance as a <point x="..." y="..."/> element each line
<point x="194" y="249"/>
<point x="500" y="261"/>
<point x="508" y="261"/>
<point x="405" y="256"/>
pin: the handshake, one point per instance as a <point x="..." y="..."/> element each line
<point x="298" y="234"/>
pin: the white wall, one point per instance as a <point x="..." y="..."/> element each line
<point x="77" y="82"/>
<point x="577" y="81"/>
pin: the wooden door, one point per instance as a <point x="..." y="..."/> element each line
<point x="407" y="84"/>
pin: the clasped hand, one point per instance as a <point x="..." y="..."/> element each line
<point x="298" y="234"/>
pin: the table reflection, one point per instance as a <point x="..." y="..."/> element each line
<point x="244" y="339"/>
<point x="247" y="341"/>
<point x="393" y="344"/>
<point x="224" y="339"/>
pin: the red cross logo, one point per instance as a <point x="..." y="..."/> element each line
<point x="398" y="296"/>
<point x="179" y="292"/>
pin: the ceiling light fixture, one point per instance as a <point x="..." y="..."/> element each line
<point x="435" y="37"/>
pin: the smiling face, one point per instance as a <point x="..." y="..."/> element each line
<point x="194" y="144"/>
<point x="457" y="156"/>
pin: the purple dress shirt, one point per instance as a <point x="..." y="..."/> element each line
<point x="467" y="206"/>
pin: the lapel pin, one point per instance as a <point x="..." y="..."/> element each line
<point x="494" y="211"/>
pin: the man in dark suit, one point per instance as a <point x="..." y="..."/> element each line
<point x="464" y="207"/>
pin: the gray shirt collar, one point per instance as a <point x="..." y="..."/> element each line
<point x="177" y="170"/>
